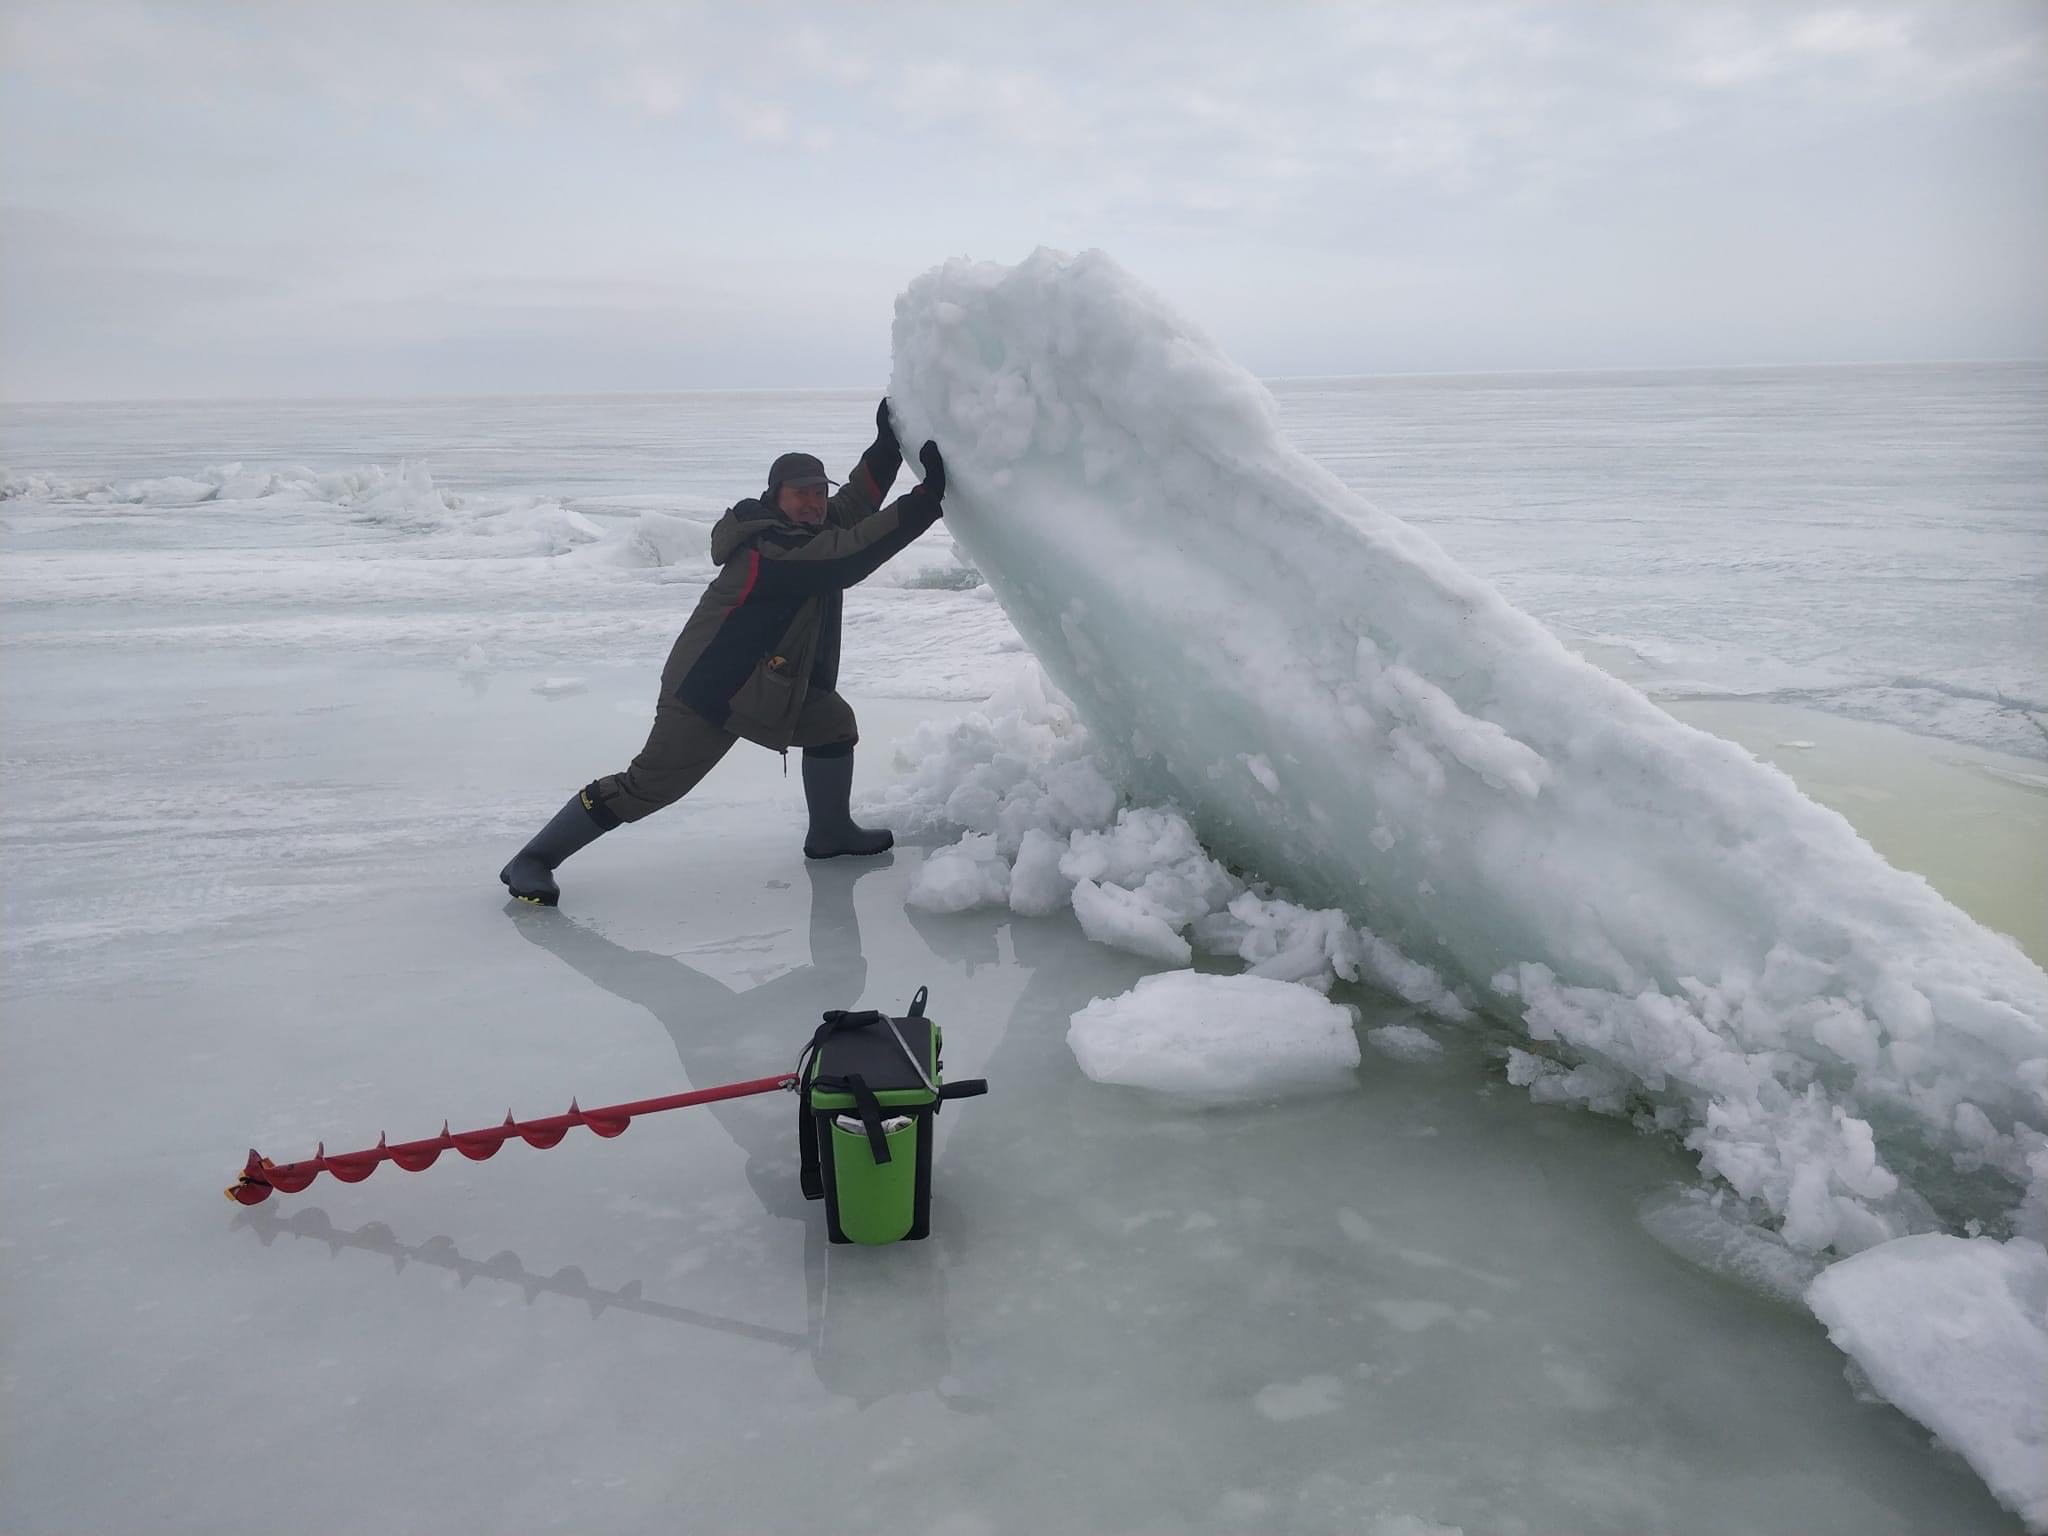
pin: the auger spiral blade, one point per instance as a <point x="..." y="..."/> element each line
<point x="260" y="1177"/>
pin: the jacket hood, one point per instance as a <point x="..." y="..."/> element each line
<point x="743" y="522"/>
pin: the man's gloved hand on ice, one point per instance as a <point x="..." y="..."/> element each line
<point x="934" y="470"/>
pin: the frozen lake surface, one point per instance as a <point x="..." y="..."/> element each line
<point x="269" y="736"/>
<point x="1422" y="1296"/>
<point x="1869" y="541"/>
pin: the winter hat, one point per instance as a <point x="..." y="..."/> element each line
<point x="796" y="469"/>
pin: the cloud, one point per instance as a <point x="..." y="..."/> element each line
<point x="659" y="90"/>
<point x="758" y="122"/>
<point x="825" y="57"/>
<point x="1852" y="32"/>
<point x="1292" y="179"/>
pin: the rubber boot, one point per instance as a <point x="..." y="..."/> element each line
<point x="531" y="874"/>
<point x="828" y="786"/>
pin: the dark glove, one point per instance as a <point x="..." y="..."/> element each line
<point x="883" y="456"/>
<point x="934" y="470"/>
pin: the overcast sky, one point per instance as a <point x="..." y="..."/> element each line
<point x="357" y="198"/>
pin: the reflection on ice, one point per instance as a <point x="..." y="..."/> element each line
<point x="871" y="1333"/>
<point x="874" y="1331"/>
<point x="715" y="1027"/>
<point x="313" y="1224"/>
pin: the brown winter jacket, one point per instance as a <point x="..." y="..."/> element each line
<point x="765" y="634"/>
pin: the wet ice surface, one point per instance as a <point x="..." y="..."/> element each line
<point x="1424" y="1297"/>
<point x="263" y="757"/>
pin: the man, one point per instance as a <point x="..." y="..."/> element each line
<point x="759" y="657"/>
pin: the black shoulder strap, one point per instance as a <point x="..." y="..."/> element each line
<point x="810" y="1175"/>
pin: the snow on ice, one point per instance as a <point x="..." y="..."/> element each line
<point x="1217" y="1038"/>
<point x="1955" y="1331"/>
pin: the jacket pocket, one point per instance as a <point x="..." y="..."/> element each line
<point x="772" y="694"/>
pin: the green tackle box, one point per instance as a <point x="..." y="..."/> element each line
<point x="869" y="1086"/>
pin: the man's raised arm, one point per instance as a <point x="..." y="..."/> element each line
<point x="840" y="557"/>
<point x="869" y="483"/>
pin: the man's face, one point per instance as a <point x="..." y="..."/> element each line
<point x="802" y="503"/>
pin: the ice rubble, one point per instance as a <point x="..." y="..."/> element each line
<point x="1265" y="670"/>
<point x="1217" y="1038"/>
<point x="1040" y="827"/>
<point x="1327" y="700"/>
<point x="1404" y="1042"/>
<point x="1955" y="1332"/>
<point x="1710" y="1231"/>
<point x="1270" y="680"/>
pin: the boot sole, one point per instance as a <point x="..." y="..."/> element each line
<point x="531" y="898"/>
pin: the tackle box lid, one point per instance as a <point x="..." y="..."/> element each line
<point x="872" y="1051"/>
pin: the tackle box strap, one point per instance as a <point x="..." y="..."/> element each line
<point x="810" y="1175"/>
<point x="870" y="1111"/>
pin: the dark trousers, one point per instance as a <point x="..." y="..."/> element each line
<point x="683" y="746"/>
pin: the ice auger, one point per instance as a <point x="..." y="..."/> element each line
<point x="869" y="1086"/>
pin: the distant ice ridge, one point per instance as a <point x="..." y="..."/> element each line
<point x="409" y="490"/>
<point x="1327" y="702"/>
<point x="430" y="521"/>
<point x="404" y="501"/>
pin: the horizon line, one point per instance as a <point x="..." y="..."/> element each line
<point x="852" y="389"/>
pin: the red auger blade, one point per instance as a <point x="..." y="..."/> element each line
<point x="418" y="1156"/>
<point x="354" y="1167"/>
<point x="479" y="1146"/>
<point x="541" y="1133"/>
<point x="291" y="1178"/>
<point x="260" y="1176"/>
